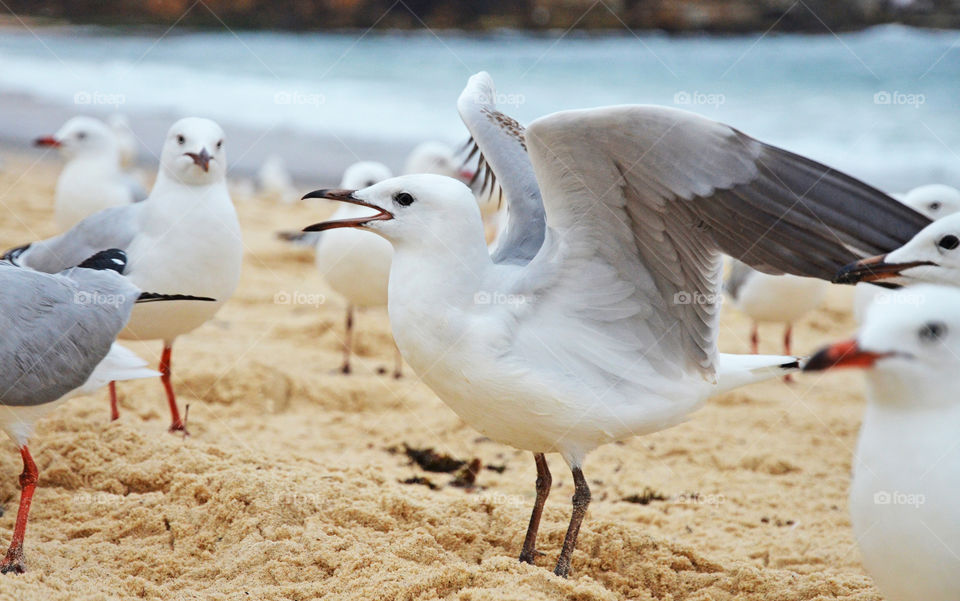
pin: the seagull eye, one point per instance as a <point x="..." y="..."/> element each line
<point x="948" y="242"/>
<point x="181" y="140"/>
<point x="219" y="144"/>
<point x="932" y="331"/>
<point x="934" y="206"/>
<point x="81" y="135"/>
<point x="404" y="199"/>
<point x="369" y="183"/>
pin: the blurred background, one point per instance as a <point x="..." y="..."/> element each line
<point x="868" y="86"/>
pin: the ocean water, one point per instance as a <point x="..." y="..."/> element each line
<point x="881" y="104"/>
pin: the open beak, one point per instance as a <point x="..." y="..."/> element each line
<point x="843" y="354"/>
<point x="47" y="141"/>
<point x="201" y="159"/>
<point x="467" y="175"/>
<point x="345" y="196"/>
<point x="874" y="269"/>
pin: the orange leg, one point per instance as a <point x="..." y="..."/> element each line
<point x="176" y="424"/>
<point x="755" y="339"/>
<point x="13" y="560"/>
<point x="786" y="349"/>
<point x="114" y="413"/>
<point x="347" y="341"/>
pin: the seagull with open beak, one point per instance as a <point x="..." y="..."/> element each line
<point x="906" y="471"/>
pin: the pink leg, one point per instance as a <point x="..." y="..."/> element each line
<point x="13" y="560"/>
<point x="176" y="424"/>
<point x="786" y="349"/>
<point x="114" y="413"/>
<point x="347" y="341"/>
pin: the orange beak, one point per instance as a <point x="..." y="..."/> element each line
<point x="843" y="354"/>
<point x="47" y="141"/>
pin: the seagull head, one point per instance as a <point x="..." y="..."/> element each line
<point x="81" y="136"/>
<point x="410" y="210"/>
<point x="909" y="342"/>
<point x="436" y="158"/>
<point x="932" y="256"/>
<point x="933" y="200"/>
<point x="194" y="152"/>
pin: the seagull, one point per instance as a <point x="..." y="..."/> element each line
<point x="92" y="179"/>
<point x="906" y="471"/>
<point x="58" y="342"/>
<point x="274" y="180"/>
<point x="772" y="298"/>
<point x="184" y="238"/>
<point x="576" y="332"/>
<point x="931" y="256"/>
<point x="126" y="140"/>
<point x="936" y="201"/>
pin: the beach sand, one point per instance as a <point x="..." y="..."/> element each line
<point x="292" y="485"/>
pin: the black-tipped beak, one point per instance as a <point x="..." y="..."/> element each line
<point x="843" y="354"/>
<point x="47" y="141"/>
<point x="152" y="297"/>
<point x="345" y="196"/>
<point x="201" y="159"/>
<point x="874" y="270"/>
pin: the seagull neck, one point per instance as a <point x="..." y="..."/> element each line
<point x="165" y="182"/>
<point x="454" y="269"/>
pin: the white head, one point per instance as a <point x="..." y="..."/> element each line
<point x="364" y="174"/>
<point x="82" y="136"/>
<point x="933" y="200"/>
<point x="194" y="152"/>
<point x="932" y="256"/>
<point x="910" y="342"/>
<point x="436" y="158"/>
<point x="413" y="211"/>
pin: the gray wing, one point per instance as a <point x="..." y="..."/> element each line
<point x="110" y="228"/>
<point x="641" y="200"/>
<point x="737" y="277"/>
<point x="56" y="329"/>
<point x="503" y="160"/>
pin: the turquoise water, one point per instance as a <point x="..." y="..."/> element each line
<point x="881" y="104"/>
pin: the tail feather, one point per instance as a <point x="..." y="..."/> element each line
<point x="735" y="371"/>
<point x="120" y="364"/>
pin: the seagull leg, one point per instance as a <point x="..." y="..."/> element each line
<point x="176" y="424"/>
<point x="544" y="480"/>
<point x="397" y="363"/>
<point x="114" y="413"/>
<point x="348" y="341"/>
<point x="581" y="499"/>
<point x="755" y="339"/>
<point x="13" y="560"/>
<point x="786" y="349"/>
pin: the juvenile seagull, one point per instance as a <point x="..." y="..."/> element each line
<point x="906" y="472"/>
<point x="575" y="333"/>
<point x="92" y="179"/>
<point x="58" y="342"/>
<point x="185" y="238"/>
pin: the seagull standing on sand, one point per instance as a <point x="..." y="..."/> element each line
<point x="184" y="238"/>
<point x="92" y="179"/>
<point x="906" y="472"/>
<point x="58" y="342"/>
<point x="772" y="298"/>
<point x="936" y="201"/>
<point x="584" y="338"/>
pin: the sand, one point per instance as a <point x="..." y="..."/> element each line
<point x="292" y="483"/>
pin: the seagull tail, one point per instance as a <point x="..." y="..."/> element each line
<point x="120" y="364"/>
<point x="735" y="371"/>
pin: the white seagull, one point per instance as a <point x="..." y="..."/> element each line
<point x="91" y="179"/>
<point x="906" y="471"/>
<point x="936" y="201"/>
<point x="772" y="298"/>
<point x="58" y="342"/>
<point x="184" y="238"/>
<point x="575" y="332"/>
<point x="126" y="140"/>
